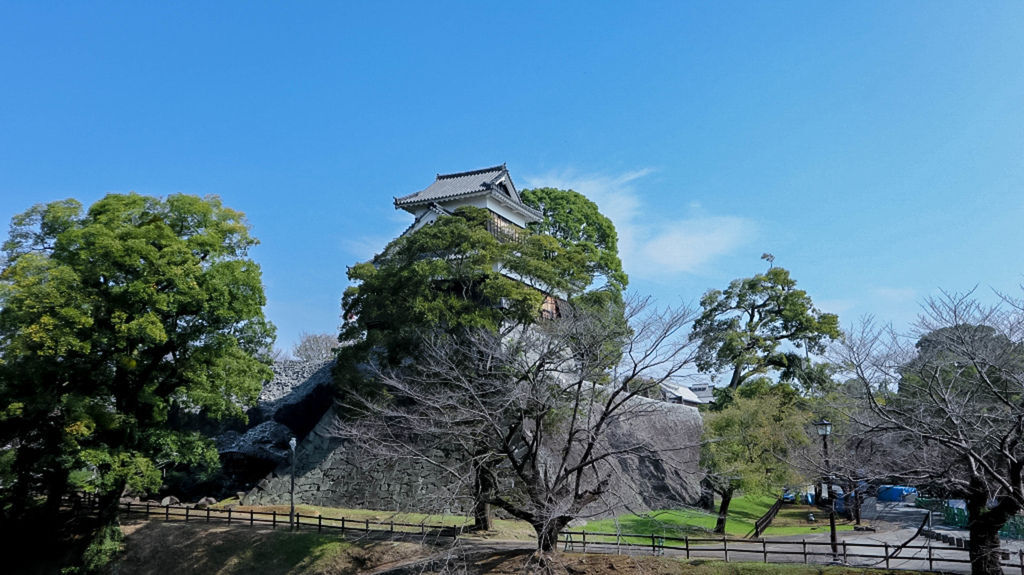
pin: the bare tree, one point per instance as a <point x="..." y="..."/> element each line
<point x="315" y="346"/>
<point x="534" y="417"/>
<point x="948" y="405"/>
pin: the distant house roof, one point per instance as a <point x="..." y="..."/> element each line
<point x="680" y="394"/>
<point x="704" y="391"/>
<point x="494" y="181"/>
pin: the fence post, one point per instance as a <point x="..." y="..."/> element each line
<point x="297" y="520"/>
<point x="273" y="520"/>
<point x="654" y="548"/>
<point x="167" y="512"/>
<point x="367" y="523"/>
<point x="618" y="542"/>
<point x="186" y="514"/>
<point x="886" y="555"/>
<point x="128" y="512"/>
<point x="929" y="556"/>
<point x="392" y="529"/>
<point x="343" y="525"/>
<point x="764" y="549"/>
<point x="319" y="523"/>
<point x="725" y="548"/>
<point x="251" y="522"/>
<point x="805" y="551"/>
<point x="229" y="516"/>
<point x="686" y="541"/>
<point x="1020" y="555"/>
<point x="585" y="540"/>
<point x="147" y="510"/>
<point x="844" y="551"/>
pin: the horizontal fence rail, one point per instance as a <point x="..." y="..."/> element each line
<point x="761" y="524"/>
<point x="275" y="519"/>
<point x="917" y="557"/>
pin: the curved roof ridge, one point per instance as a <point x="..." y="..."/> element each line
<point x="500" y="167"/>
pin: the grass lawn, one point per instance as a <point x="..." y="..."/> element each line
<point x="743" y="512"/>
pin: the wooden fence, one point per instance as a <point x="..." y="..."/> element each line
<point x="917" y="557"/>
<point x="761" y="524"/>
<point x="275" y="519"/>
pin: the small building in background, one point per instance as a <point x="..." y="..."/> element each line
<point x="677" y="393"/>
<point x="705" y="392"/>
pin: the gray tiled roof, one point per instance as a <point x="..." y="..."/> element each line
<point x="495" y="180"/>
<point x="448" y="186"/>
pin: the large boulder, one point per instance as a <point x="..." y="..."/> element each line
<point x="289" y="406"/>
<point x="297" y="396"/>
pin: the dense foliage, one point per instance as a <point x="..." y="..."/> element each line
<point x="583" y="232"/>
<point x="743" y="328"/>
<point x="119" y="328"/>
<point x="454" y="275"/>
<point x="746" y="444"/>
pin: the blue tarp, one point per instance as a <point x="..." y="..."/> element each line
<point x="894" y="492"/>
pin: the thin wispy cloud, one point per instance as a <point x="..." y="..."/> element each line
<point x="893" y="294"/>
<point x="364" y="248"/>
<point x="654" y="240"/>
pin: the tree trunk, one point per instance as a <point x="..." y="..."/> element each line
<point x="547" y="533"/>
<point x="25" y="463"/>
<point x="858" y="499"/>
<point x="984" y="546"/>
<point x="723" y="511"/>
<point x="984" y="525"/>
<point x="737" y="374"/>
<point x="109" y="503"/>
<point x="707" y="496"/>
<point x="56" y="488"/>
<point x="483" y="516"/>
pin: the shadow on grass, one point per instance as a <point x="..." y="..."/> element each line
<point x="157" y="548"/>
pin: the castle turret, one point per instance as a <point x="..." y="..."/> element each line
<point x="488" y="188"/>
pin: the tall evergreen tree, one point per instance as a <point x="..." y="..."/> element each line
<point x="117" y="326"/>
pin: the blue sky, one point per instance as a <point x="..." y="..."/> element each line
<point x="876" y="148"/>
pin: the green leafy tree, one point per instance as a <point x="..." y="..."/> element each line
<point x="743" y="328"/>
<point x="587" y="236"/>
<point x="745" y="446"/>
<point x="452" y="274"/>
<point x="119" y="327"/>
<point x="455" y="277"/>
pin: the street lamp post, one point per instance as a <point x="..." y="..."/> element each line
<point x="291" y="512"/>
<point x="824" y="428"/>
